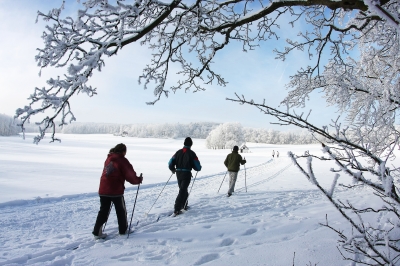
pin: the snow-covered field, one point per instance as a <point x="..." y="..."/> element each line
<point x="49" y="203"/>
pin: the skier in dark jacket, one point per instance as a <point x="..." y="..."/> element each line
<point x="182" y="163"/>
<point x="233" y="162"/>
<point x="116" y="170"/>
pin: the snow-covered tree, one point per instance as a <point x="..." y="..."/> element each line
<point x="90" y="128"/>
<point x="365" y="89"/>
<point x="225" y="136"/>
<point x="174" y="29"/>
<point x="8" y="126"/>
<point x="271" y="136"/>
<point x="168" y="130"/>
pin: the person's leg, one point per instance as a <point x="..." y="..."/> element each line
<point x="232" y="181"/>
<point x="183" y="183"/>
<point x="102" y="216"/>
<point x="178" y="200"/>
<point x="120" y="209"/>
<point x="235" y="175"/>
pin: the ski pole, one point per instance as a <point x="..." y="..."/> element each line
<point x="137" y="192"/>
<point x="190" y="190"/>
<point x="159" y="195"/>
<point x="222" y="181"/>
<point x="104" y="227"/>
<point x="245" y="183"/>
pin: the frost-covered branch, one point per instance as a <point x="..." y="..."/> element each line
<point x="363" y="155"/>
<point x="176" y="30"/>
<point x="364" y="243"/>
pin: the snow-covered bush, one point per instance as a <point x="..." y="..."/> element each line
<point x="225" y="136"/>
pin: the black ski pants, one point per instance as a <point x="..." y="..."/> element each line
<point x="120" y="209"/>
<point x="184" y="178"/>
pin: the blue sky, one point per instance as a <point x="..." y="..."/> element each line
<point x="255" y="74"/>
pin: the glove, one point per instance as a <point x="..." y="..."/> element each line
<point x="141" y="177"/>
<point x="173" y="172"/>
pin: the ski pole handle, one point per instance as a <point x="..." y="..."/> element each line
<point x="141" y="177"/>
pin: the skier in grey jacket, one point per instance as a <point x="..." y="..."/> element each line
<point x="233" y="162"/>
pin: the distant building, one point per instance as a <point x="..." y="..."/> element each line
<point x="244" y="149"/>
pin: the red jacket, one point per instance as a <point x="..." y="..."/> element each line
<point x="116" y="170"/>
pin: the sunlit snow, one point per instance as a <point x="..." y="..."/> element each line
<point x="49" y="203"/>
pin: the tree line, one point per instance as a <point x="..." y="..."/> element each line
<point x="218" y="136"/>
<point x="8" y="126"/>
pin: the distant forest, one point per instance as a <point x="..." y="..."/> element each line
<point x="218" y="136"/>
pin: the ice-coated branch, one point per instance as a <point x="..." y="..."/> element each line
<point x="83" y="43"/>
<point x="356" y="152"/>
<point x="177" y="29"/>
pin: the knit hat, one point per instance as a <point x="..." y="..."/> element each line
<point x="188" y="142"/>
<point x="119" y="148"/>
<point x="235" y="148"/>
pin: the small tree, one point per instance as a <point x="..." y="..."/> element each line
<point x="225" y="136"/>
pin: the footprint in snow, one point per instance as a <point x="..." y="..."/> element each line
<point x="227" y="242"/>
<point x="250" y="232"/>
<point x="207" y="258"/>
<point x="124" y="255"/>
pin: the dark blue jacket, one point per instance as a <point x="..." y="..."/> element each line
<point x="184" y="160"/>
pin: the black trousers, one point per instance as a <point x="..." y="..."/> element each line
<point x="120" y="209"/>
<point x="184" y="178"/>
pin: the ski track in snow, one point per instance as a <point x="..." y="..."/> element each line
<point x="58" y="231"/>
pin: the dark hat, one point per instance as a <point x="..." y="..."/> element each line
<point x="188" y="142"/>
<point x="235" y="148"/>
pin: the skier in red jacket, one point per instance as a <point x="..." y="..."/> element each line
<point x="116" y="170"/>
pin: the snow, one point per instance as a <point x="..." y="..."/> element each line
<point x="49" y="203"/>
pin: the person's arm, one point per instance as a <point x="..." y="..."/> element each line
<point x="226" y="161"/>
<point x="172" y="163"/>
<point x="196" y="163"/>
<point x="242" y="161"/>
<point x="130" y="174"/>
